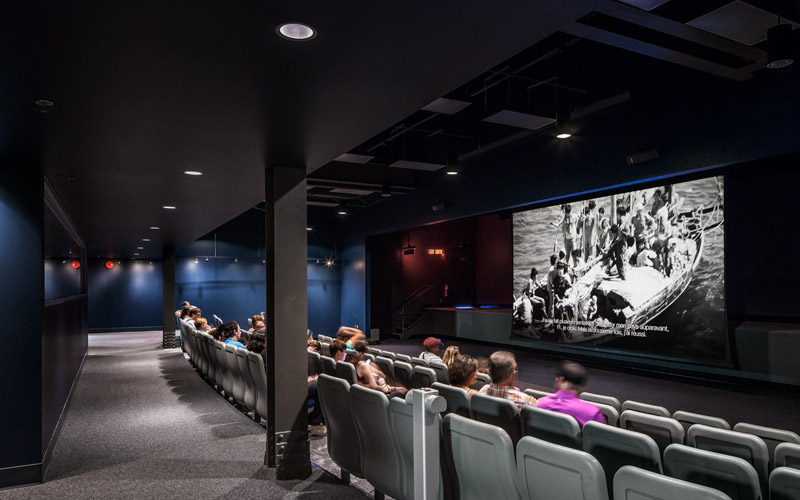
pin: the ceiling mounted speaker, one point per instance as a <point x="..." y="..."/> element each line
<point x="779" y="46"/>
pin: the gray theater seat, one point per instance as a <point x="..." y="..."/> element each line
<point x="550" y="426"/>
<point x="380" y="458"/>
<point x="599" y="398"/>
<point x="375" y="351"/>
<point x="343" y="448"/>
<point x="772" y="437"/>
<point x="346" y="371"/>
<point x="615" y="448"/>
<point x="457" y="399"/>
<point x="784" y="484"/>
<point x="483" y="456"/>
<point x="420" y="362"/>
<point x="402" y="418"/>
<point x="547" y="471"/>
<point x="402" y="357"/>
<point x="256" y="365"/>
<point x="738" y="444"/>
<point x="611" y="413"/>
<point x="497" y="411"/>
<point x="483" y="379"/>
<point x="222" y="365"/>
<point x="787" y="455"/>
<point x="538" y="394"/>
<point x="390" y="355"/>
<point x="423" y="377"/>
<point x="201" y="360"/>
<point x="645" y="408"/>
<point x="217" y="321"/>
<point x="441" y="372"/>
<point x="313" y="363"/>
<point x="249" y="386"/>
<point x="688" y="419"/>
<point x="327" y="366"/>
<point x="211" y="356"/>
<point x="237" y="388"/>
<point x="386" y="365"/>
<point x="730" y="475"/>
<point x="664" y="431"/>
<point x="632" y="483"/>
<point x="325" y="348"/>
<point x="404" y="374"/>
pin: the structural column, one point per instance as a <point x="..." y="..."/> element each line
<point x="287" y="322"/>
<point x="168" y="293"/>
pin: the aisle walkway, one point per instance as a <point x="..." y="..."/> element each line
<point x="142" y="424"/>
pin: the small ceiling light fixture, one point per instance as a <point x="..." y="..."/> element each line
<point x="145" y="239"/>
<point x="296" y="31"/>
<point x="386" y="190"/>
<point x="779" y="46"/>
<point x="192" y="172"/>
<point x="341" y="209"/>
<point x="309" y="228"/>
<point x="196" y="260"/>
<point x="169" y="207"/>
<point x="452" y="167"/>
<point x="154" y="227"/>
<point x="135" y="253"/>
<point x="206" y="259"/>
<point x="139" y="248"/>
<point x="43" y="104"/>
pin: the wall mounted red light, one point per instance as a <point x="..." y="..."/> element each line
<point x="109" y="264"/>
<point x="76" y="264"/>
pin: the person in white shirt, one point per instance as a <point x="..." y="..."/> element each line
<point x="432" y="346"/>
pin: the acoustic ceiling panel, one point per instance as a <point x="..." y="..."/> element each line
<point x="416" y="165"/>
<point x="739" y="21"/>
<point x="446" y="106"/>
<point x="520" y="120"/>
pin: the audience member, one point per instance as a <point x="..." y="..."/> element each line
<point x="503" y="369"/>
<point x="368" y="378"/>
<point x="192" y="316"/>
<point x="450" y="354"/>
<point x="570" y="379"/>
<point x="432" y="346"/>
<point x="230" y="332"/>
<point x="350" y="335"/>
<point x="463" y="372"/>
<point x="483" y="365"/>
<point x="314" y="346"/>
<point x="337" y="350"/>
<point x="258" y="344"/>
<point x="184" y="310"/>
<point x="201" y="325"/>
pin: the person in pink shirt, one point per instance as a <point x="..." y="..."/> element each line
<point x="570" y="379"/>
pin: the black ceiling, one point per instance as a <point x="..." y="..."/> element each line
<point x="146" y="90"/>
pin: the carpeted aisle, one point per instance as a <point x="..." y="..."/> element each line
<point x="142" y="424"/>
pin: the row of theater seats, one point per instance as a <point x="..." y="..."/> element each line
<point x="236" y="373"/>
<point x="479" y="460"/>
<point x="397" y="372"/>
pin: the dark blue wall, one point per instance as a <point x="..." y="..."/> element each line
<point x="60" y="279"/>
<point x="127" y="297"/>
<point x="324" y="291"/>
<point x="21" y="296"/>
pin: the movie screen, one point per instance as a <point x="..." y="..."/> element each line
<point x="641" y="270"/>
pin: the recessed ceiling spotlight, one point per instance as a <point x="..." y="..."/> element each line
<point x="154" y="227"/>
<point x="43" y="104"/>
<point x="564" y="136"/>
<point x="296" y="31"/>
<point x="169" y="207"/>
<point x="145" y="239"/>
<point x="193" y="172"/>
<point x="136" y="253"/>
<point x="309" y="228"/>
<point x="139" y="248"/>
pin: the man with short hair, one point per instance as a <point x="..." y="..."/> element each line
<point x="503" y="369"/>
<point x="431" y="345"/>
<point x="190" y="318"/>
<point x="337" y="350"/>
<point x="570" y="379"/>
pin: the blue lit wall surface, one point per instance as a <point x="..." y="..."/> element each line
<point x="60" y="279"/>
<point x="127" y="297"/>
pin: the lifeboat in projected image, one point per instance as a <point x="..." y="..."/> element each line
<point x="598" y="306"/>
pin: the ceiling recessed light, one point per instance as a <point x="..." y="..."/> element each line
<point x="139" y="248"/>
<point x="309" y="229"/>
<point x="296" y="31"/>
<point x="564" y="136"/>
<point x="154" y="227"/>
<point x="193" y="172"/>
<point x="145" y="239"/>
<point x="136" y="253"/>
<point x="169" y="207"/>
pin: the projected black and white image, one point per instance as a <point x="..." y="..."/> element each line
<point x="642" y="270"/>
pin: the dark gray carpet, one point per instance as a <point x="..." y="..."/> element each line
<point x="758" y="403"/>
<point x="143" y="424"/>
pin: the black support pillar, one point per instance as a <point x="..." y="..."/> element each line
<point x="287" y="322"/>
<point x="168" y="294"/>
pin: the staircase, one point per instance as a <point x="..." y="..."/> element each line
<point x="413" y="310"/>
